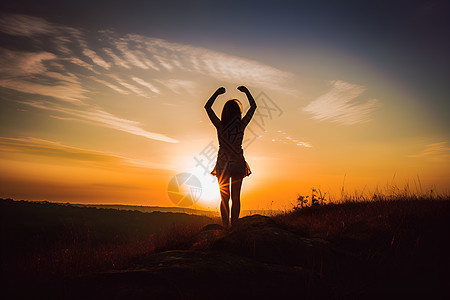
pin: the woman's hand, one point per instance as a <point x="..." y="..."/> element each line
<point x="208" y="106"/>
<point x="243" y="89"/>
<point x="220" y="91"/>
<point x="248" y="116"/>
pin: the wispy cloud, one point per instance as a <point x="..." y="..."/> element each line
<point x="179" y="86"/>
<point x="96" y="59"/>
<point x="68" y="70"/>
<point x="36" y="28"/>
<point x="148" y="85"/>
<point x="101" y="118"/>
<point x="340" y="104"/>
<point x="129" y="86"/>
<point x="22" y="25"/>
<point x="52" y="149"/>
<point x="160" y="55"/>
<point x="111" y="86"/>
<point x="20" y="63"/>
<point x="283" y="137"/>
<point x="157" y="55"/>
<point x="56" y="150"/>
<point x="116" y="59"/>
<point x="79" y="62"/>
<point x="27" y="72"/>
<point x="68" y="92"/>
<point x="134" y="57"/>
<point x="435" y="151"/>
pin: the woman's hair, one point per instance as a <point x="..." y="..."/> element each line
<point x="231" y="110"/>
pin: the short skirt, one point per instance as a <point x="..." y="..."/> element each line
<point x="233" y="169"/>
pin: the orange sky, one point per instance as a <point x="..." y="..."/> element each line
<point x="114" y="121"/>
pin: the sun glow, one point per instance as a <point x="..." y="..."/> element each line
<point x="210" y="195"/>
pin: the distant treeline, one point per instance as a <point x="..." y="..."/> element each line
<point x="149" y="209"/>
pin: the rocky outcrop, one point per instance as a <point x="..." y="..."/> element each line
<point x="193" y="274"/>
<point x="255" y="258"/>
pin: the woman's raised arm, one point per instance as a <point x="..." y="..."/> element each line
<point x="208" y="106"/>
<point x="248" y="116"/>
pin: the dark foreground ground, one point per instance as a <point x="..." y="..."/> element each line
<point x="389" y="249"/>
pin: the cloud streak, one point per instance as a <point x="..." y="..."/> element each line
<point x="136" y="51"/>
<point x="96" y="59"/>
<point x="56" y="150"/>
<point x="285" y="139"/>
<point x="340" y="104"/>
<point x="28" y="26"/>
<point x="101" y="118"/>
<point x="68" y="71"/>
<point x="434" y="151"/>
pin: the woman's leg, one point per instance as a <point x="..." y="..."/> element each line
<point x="224" y="185"/>
<point x="236" y="185"/>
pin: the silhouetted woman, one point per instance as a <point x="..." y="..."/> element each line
<point x="231" y="164"/>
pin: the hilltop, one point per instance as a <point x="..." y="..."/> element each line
<point x="350" y="250"/>
<point x="168" y="209"/>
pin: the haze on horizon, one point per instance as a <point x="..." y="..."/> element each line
<point x="103" y="103"/>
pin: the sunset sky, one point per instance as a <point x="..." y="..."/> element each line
<point x="103" y="103"/>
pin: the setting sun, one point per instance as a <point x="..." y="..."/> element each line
<point x="209" y="188"/>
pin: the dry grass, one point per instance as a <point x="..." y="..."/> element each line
<point x="82" y="256"/>
<point x="404" y="224"/>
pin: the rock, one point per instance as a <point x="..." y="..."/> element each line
<point x="256" y="258"/>
<point x="207" y="236"/>
<point x="260" y="238"/>
<point x="253" y="221"/>
<point x="210" y="227"/>
<point x="192" y="274"/>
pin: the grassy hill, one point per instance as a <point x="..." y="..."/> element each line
<point x="44" y="238"/>
<point x="396" y="247"/>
